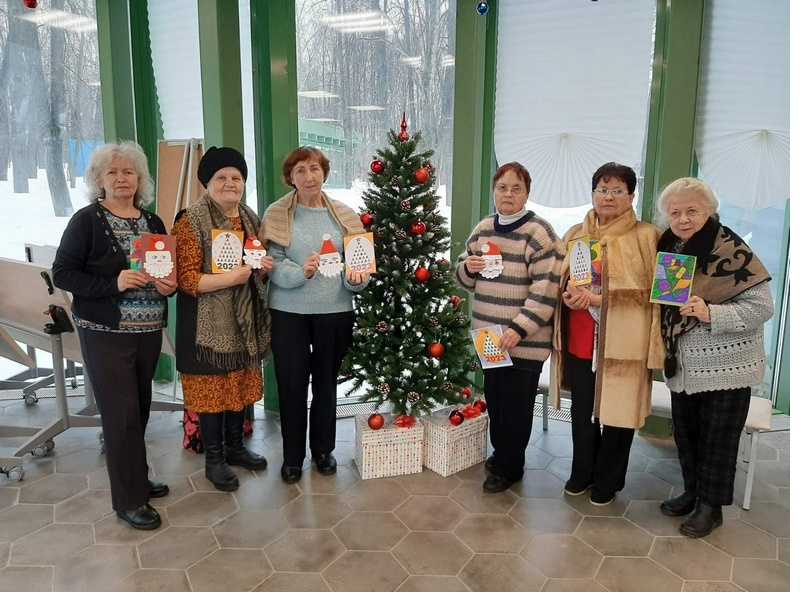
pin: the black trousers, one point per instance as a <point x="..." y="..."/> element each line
<point x="707" y="428"/>
<point x="303" y="346"/>
<point x="120" y="367"/>
<point x="599" y="455"/>
<point x="510" y="396"/>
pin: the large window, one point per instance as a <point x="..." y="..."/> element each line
<point x="573" y="82"/>
<point x="50" y="118"/>
<point x="248" y="116"/>
<point x="742" y="137"/>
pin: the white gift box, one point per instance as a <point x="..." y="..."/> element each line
<point x="388" y="451"/>
<point x="448" y="449"/>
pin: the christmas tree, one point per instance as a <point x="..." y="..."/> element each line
<point x="411" y="345"/>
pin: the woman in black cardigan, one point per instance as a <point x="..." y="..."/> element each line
<point x="119" y="315"/>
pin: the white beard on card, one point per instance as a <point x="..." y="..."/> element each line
<point x="493" y="260"/>
<point x="330" y="261"/>
<point x="253" y="252"/>
<point x="158" y="260"/>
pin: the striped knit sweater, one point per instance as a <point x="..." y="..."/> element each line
<point x="524" y="296"/>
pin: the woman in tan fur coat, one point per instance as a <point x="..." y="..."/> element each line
<point x="606" y="338"/>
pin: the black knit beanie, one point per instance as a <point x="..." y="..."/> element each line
<point x="218" y="158"/>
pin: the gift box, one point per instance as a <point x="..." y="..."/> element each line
<point x="448" y="449"/>
<point x="388" y="451"/>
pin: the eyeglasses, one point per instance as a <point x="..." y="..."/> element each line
<point x="515" y="190"/>
<point x="615" y="193"/>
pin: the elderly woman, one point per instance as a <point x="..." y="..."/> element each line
<point x="312" y="313"/>
<point x="714" y="350"/>
<point x="119" y="315"/>
<point x="521" y="299"/>
<point x="606" y="338"/>
<point x="223" y="324"/>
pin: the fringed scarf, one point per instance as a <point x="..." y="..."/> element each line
<point x="232" y="323"/>
<point x="726" y="267"/>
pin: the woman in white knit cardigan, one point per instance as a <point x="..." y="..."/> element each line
<point x="714" y="350"/>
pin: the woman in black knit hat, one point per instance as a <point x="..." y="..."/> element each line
<point x="223" y="324"/>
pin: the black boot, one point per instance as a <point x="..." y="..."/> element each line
<point x="679" y="506"/>
<point x="235" y="452"/>
<point x="144" y="517"/>
<point x="217" y="470"/>
<point x="703" y="520"/>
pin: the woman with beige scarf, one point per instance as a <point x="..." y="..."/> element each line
<point x="223" y="323"/>
<point x="606" y="339"/>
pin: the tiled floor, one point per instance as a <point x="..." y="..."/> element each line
<point x="411" y="534"/>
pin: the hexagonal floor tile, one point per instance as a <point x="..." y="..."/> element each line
<point x="669" y="470"/>
<point x="177" y="461"/>
<point x="8" y="497"/>
<point x="315" y="511"/>
<point x="771" y="517"/>
<point x="265" y="493"/>
<point x="304" y="550"/>
<point x="428" y="483"/>
<point x="229" y="569"/>
<point x="506" y="573"/>
<point x="81" y="462"/>
<point x="472" y="497"/>
<point x="546" y="516"/>
<point x="562" y="556"/>
<point x="761" y="575"/>
<point x="432" y="553"/>
<point x="155" y="580"/>
<point x="52" y="489"/>
<point x="773" y="473"/>
<point x="177" y="547"/>
<point x="561" y="468"/>
<point x="89" y="506"/>
<point x="539" y="484"/>
<point x="30" y="579"/>
<point x="201" y="509"/>
<point x="536" y="458"/>
<point x="474" y="473"/>
<point x="251" y="529"/>
<point x="114" y="531"/>
<point x="98" y="479"/>
<point x="99" y="567"/>
<point x="647" y="515"/>
<point x="739" y="539"/>
<point x="432" y="584"/>
<point x="313" y="482"/>
<point x="179" y="487"/>
<point x="783" y="550"/>
<point x="51" y="545"/>
<point x="376" y="495"/>
<point x="426" y="512"/>
<point x="637" y="462"/>
<point x="492" y="533"/>
<point x="293" y="582"/>
<point x="691" y="559"/>
<point x="365" y="571"/>
<point x="635" y="574"/>
<point x="377" y="531"/>
<point x="614" y="536"/>
<point x="646" y="486"/>
<point x="557" y="445"/>
<point x="22" y="519"/>
<point x="710" y="587"/>
<point x="655" y="448"/>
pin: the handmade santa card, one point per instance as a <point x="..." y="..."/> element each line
<point x="359" y="252"/>
<point x="330" y="261"/>
<point x="487" y="345"/>
<point x="253" y="252"/>
<point x="226" y="250"/>
<point x="154" y="255"/>
<point x="493" y="259"/>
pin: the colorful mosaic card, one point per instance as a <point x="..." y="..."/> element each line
<point x="673" y="277"/>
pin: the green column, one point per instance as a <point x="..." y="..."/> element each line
<point x="673" y="97"/>
<point x="473" y="119"/>
<point x="116" y="79"/>
<point x="274" y="52"/>
<point x="220" y="71"/>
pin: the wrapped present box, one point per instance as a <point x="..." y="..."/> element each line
<point x="448" y="449"/>
<point x="388" y="451"/>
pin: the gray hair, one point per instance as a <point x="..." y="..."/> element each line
<point x="685" y="185"/>
<point x="100" y="161"/>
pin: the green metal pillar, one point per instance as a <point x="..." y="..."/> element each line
<point x="673" y="97"/>
<point x="473" y="120"/>
<point x="274" y="52"/>
<point x="116" y="79"/>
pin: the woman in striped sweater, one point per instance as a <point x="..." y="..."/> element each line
<point x="521" y="299"/>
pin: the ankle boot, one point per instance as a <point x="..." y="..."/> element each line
<point x="703" y="520"/>
<point x="217" y="470"/>
<point x="235" y="452"/>
<point x="680" y="505"/>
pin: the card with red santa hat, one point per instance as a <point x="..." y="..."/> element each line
<point x="253" y="252"/>
<point x="154" y="255"/>
<point x="330" y="261"/>
<point x="493" y="259"/>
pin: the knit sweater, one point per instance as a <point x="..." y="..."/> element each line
<point x="523" y="297"/>
<point x="290" y="290"/>
<point x="727" y="353"/>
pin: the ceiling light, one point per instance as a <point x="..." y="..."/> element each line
<point x="366" y="108"/>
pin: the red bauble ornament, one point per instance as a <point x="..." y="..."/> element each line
<point x="422" y="176"/>
<point x="422" y="275"/>
<point x="455" y="301"/>
<point x="405" y="421"/>
<point x="367" y="219"/>
<point x="480" y="405"/>
<point x="31" y="3"/>
<point x="403" y="136"/>
<point x="466" y="392"/>
<point x="377" y="166"/>
<point x="418" y="228"/>
<point x="375" y="421"/>
<point x="456" y="417"/>
<point x="471" y="412"/>
<point x="436" y="350"/>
